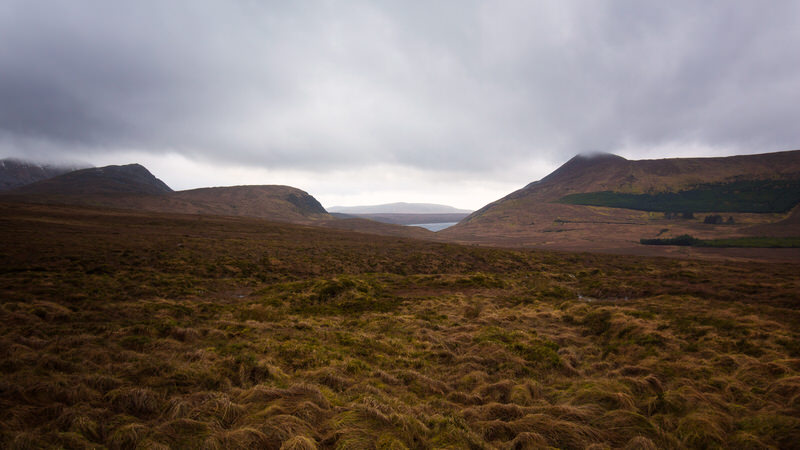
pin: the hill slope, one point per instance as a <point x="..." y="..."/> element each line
<point x="134" y="187"/>
<point x="127" y="179"/>
<point x="16" y="173"/>
<point x="570" y="208"/>
<point x="267" y="201"/>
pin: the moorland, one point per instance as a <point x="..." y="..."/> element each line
<point x="141" y="329"/>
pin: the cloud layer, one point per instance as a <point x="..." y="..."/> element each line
<point x="463" y="87"/>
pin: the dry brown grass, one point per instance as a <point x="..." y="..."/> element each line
<point x="116" y="336"/>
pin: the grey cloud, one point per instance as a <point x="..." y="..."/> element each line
<point x="460" y="86"/>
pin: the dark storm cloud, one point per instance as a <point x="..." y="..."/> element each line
<point x="440" y="85"/>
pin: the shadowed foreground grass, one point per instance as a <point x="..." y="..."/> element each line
<point x="126" y="330"/>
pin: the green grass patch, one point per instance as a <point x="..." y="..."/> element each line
<point x="754" y="196"/>
<point x="744" y="242"/>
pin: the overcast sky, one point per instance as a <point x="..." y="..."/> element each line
<point x="457" y="102"/>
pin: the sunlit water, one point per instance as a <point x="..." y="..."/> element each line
<point x="434" y="226"/>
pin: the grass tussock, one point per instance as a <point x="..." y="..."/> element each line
<point x="147" y="331"/>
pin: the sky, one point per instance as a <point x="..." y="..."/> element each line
<point x="364" y="102"/>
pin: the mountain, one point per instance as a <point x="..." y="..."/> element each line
<point x="607" y="202"/>
<point x="281" y="203"/>
<point x="399" y="208"/>
<point x="402" y="213"/>
<point x="127" y="179"/>
<point x="406" y="219"/>
<point x="134" y="187"/>
<point x="15" y="173"/>
<point x="608" y="172"/>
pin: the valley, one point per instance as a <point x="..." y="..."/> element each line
<point x="140" y="329"/>
<point x="245" y="317"/>
<point x="399" y="225"/>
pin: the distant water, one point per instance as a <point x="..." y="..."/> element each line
<point x="434" y="226"/>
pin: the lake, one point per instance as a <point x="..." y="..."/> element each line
<point x="434" y="226"/>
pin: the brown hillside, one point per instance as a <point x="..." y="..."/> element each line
<point x="282" y="203"/>
<point x="531" y="216"/>
<point x="133" y="187"/>
<point x="15" y="173"/>
<point x="788" y="227"/>
<point x="275" y="202"/>
<point x="127" y="179"/>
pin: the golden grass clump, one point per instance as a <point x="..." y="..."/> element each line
<point x="139" y="402"/>
<point x="218" y="409"/>
<point x="527" y="441"/>
<point x="703" y="429"/>
<point x="640" y="443"/>
<point x="240" y="439"/>
<point x="605" y="395"/>
<point x="299" y="443"/>
<point x="127" y="436"/>
<point x="558" y="433"/>
<point x="183" y="432"/>
<point x="281" y="427"/>
<point x="79" y="421"/>
<point x="499" y="392"/>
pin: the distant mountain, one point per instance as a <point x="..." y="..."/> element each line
<point x="406" y="219"/>
<point x="15" y="173"/>
<point x="133" y="187"/>
<point x="605" y="201"/>
<point x="399" y="208"/>
<point x="127" y="179"/>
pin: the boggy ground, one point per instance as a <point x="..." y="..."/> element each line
<point x="143" y="330"/>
